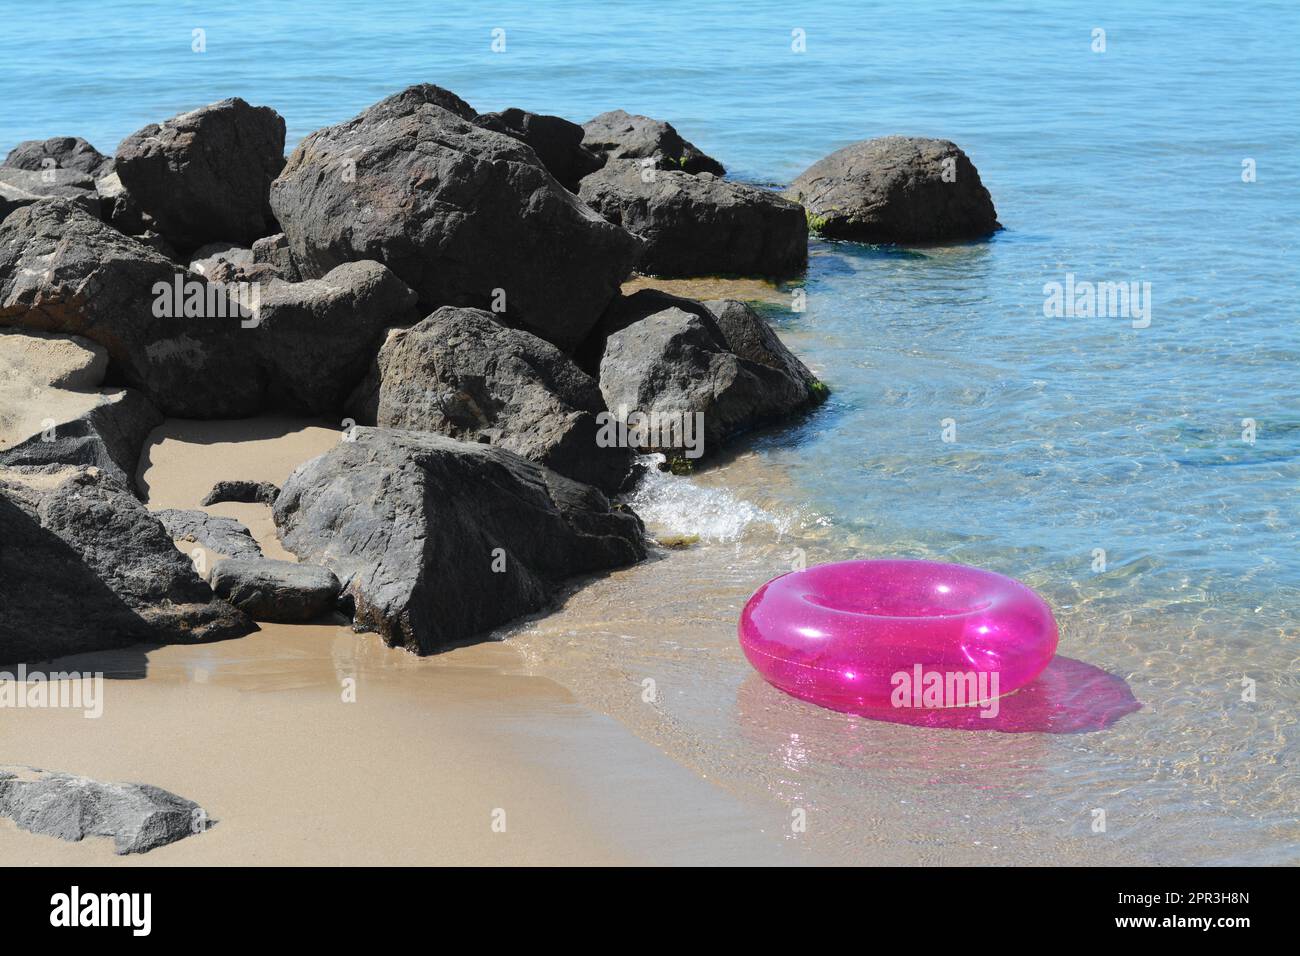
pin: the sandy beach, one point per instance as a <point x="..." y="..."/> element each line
<point x="416" y="769"/>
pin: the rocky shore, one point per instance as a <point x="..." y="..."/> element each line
<point x="442" y="284"/>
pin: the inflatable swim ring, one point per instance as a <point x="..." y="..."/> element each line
<point x="861" y="636"/>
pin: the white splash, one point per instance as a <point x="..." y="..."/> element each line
<point x="674" y="504"/>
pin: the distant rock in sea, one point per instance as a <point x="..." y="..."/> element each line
<point x="899" y="189"/>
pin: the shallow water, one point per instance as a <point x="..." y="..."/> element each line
<point x="1072" y="434"/>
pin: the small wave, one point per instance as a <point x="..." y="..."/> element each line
<point x="672" y="504"/>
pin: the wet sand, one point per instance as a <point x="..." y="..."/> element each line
<point x="415" y="770"/>
<point x="746" y="290"/>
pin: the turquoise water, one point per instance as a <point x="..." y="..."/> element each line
<point x="1072" y="434"/>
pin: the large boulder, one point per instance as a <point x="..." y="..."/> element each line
<point x="752" y="339"/>
<point x="59" y="152"/>
<point x="53" y="411"/>
<point x="205" y="175"/>
<point x="85" y="567"/>
<point x="556" y="141"/>
<point x="902" y="189"/>
<point x="300" y="347"/>
<point x="622" y="312"/>
<point x="437" y="541"/>
<point x="461" y="374"/>
<point x="675" y="381"/>
<point x="621" y="135"/>
<point x="268" y="590"/>
<point x="457" y="211"/>
<point x="319" y="336"/>
<point x="138" y="817"/>
<point x="696" y="225"/>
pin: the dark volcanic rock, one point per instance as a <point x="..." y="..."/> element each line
<point x="205" y="259"/>
<point x="556" y="141"/>
<point x="262" y="492"/>
<point x="13" y="198"/>
<point x="273" y="251"/>
<point x="67" y="184"/>
<point x="268" y="590"/>
<point x="66" y="152"/>
<point x="753" y="340"/>
<point x="700" y="225"/>
<point x="108" y="431"/>
<point x="457" y="211"/>
<point x="620" y="135"/>
<point x="674" y="364"/>
<point x="896" y="189"/>
<point x="204" y="176"/>
<point x="84" y="566"/>
<point x="53" y="412"/>
<point x="303" y="349"/>
<point x="438" y="541"/>
<point x="123" y="213"/>
<point x="319" y="336"/>
<point x="139" y="817"/>
<point x="622" y="312"/>
<point x="225" y="536"/>
<point x="461" y="374"/>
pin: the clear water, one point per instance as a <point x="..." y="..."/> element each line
<point x="1072" y="434"/>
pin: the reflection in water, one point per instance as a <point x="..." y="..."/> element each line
<point x="1068" y="697"/>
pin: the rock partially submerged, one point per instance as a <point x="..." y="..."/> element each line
<point x="695" y="225"/>
<point x="461" y="374"/>
<point x="902" y="189"/>
<point x="138" y="817"/>
<point x="248" y="492"/>
<point x="299" y="347"/>
<point x="752" y="339"/>
<point x="268" y="590"/>
<point x="464" y="215"/>
<point x="621" y="135"/>
<point x="438" y="541"/>
<point x="204" y="176"/>
<point x="84" y="566"/>
<point x="677" y="368"/>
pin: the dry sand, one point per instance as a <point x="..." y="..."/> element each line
<point x="416" y="770"/>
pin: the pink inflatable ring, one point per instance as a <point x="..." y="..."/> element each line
<point x="863" y="636"/>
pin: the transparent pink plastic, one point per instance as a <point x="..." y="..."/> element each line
<point x="839" y="634"/>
